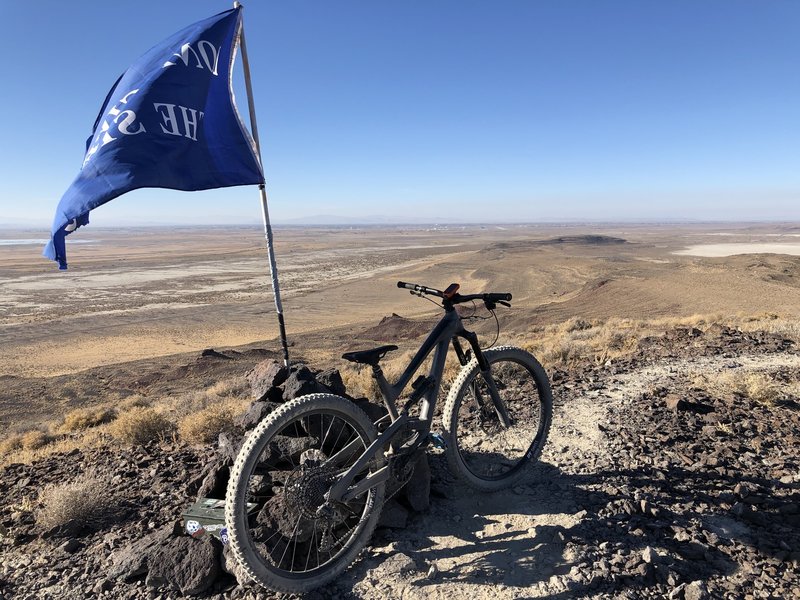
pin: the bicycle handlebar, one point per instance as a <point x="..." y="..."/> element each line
<point x="456" y="298"/>
<point x="414" y="287"/>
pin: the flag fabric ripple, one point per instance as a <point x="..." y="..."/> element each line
<point x="169" y="121"/>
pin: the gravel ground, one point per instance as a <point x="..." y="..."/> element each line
<point x="650" y="486"/>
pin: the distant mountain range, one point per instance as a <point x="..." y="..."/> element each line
<point x="310" y="220"/>
<point x="368" y="220"/>
<point x="339" y="220"/>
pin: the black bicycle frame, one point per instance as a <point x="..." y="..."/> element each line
<point x="448" y="328"/>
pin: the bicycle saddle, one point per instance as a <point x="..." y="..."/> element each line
<point x="368" y="357"/>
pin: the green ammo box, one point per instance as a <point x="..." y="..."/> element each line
<point x="207" y="516"/>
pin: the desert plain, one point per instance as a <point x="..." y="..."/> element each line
<point x="157" y="291"/>
<point x="639" y="493"/>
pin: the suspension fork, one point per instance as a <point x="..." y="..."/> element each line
<point x="499" y="406"/>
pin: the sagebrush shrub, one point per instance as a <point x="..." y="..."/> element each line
<point x="84" y="418"/>
<point x="85" y="500"/>
<point x="204" y="426"/>
<point x="141" y="425"/>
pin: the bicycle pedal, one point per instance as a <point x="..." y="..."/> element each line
<point x="438" y="441"/>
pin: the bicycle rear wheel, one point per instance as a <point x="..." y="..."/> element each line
<point x="281" y="529"/>
<point x="480" y="450"/>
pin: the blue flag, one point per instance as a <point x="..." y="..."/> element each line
<point x="170" y="122"/>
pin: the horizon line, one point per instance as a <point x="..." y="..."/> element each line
<point x="443" y="222"/>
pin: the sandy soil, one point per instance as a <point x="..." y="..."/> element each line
<point x="133" y="294"/>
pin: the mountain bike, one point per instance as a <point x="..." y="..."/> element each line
<point x="307" y="488"/>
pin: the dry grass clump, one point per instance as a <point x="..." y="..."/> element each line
<point x="575" y="324"/>
<point x="359" y="381"/>
<point x="134" y="401"/>
<point x="204" y="426"/>
<point x="757" y="386"/>
<point x="565" y="344"/>
<point x="788" y="328"/>
<point x="235" y="391"/>
<point x="84" y="500"/>
<point x="10" y="444"/>
<point x="35" y="439"/>
<point x="761" y="388"/>
<point x="13" y="451"/>
<point x="230" y="388"/>
<point x="84" y="418"/>
<point x="25" y="442"/>
<point x="141" y="425"/>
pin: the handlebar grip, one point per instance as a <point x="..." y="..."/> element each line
<point x="499" y="297"/>
<point x="415" y="287"/>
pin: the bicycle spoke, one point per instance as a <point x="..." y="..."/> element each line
<point x="313" y="537"/>
<point x="294" y="533"/>
<point x="333" y="420"/>
<point x="270" y="537"/>
<point x="294" y="548"/>
<point x="337" y="439"/>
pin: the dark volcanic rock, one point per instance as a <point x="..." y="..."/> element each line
<point x="264" y="376"/>
<point x="188" y="565"/>
<point x="132" y="561"/>
<point x="256" y="413"/>
<point x="211" y="353"/>
<point x="215" y="482"/>
<point x="417" y="491"/>
<point x="374" y="411"/>
<point x="678" y="404"/>
<point x="332" y="379"/>
<point x="393" y="515"/>
<point x="301" y="381"/>
<point x="228" y="445"/>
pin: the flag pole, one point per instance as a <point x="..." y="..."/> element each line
<point x="273" y="268"/>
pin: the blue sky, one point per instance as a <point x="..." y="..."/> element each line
<point x="465" y="110"/>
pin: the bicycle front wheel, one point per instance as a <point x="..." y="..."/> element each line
<point x="480" y="449"/>
<point x="282" y="530"/>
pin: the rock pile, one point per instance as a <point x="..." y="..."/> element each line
<point x="273" y="384"/>
<point x="170" y="560"/>
<point x="146" y="551"/>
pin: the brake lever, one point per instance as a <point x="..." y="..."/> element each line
<point x="504" y="303"/>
